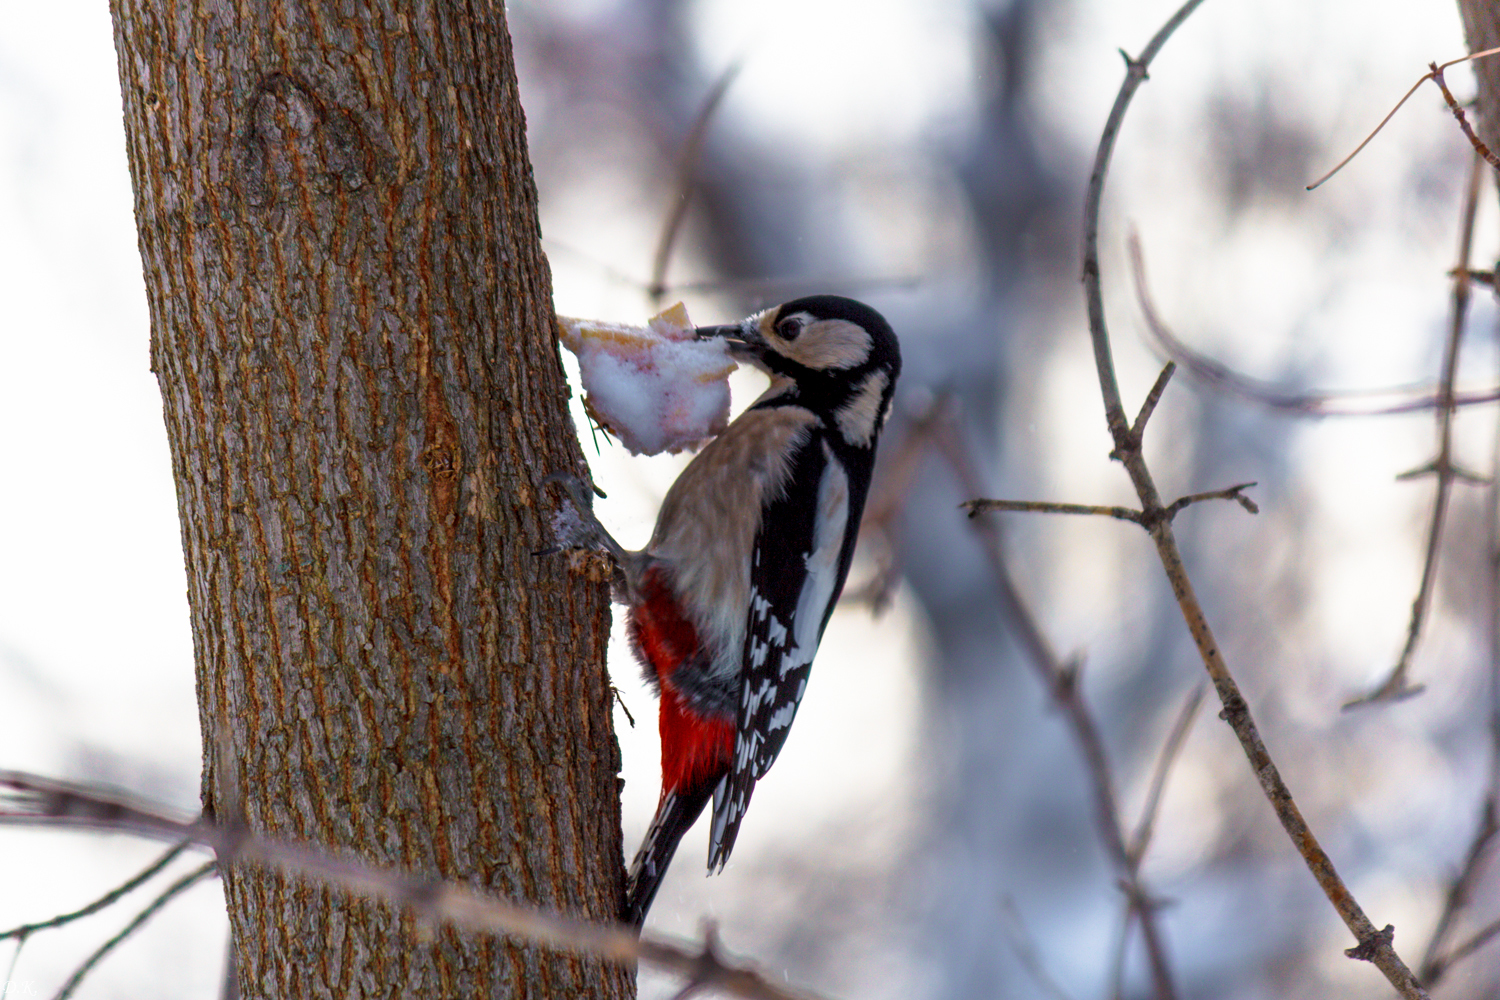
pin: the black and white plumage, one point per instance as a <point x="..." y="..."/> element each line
<point x="729" y="599"/>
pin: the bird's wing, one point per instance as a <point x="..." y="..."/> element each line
<point x="797" y="569"/>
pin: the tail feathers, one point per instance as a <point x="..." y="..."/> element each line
<point x="675" y="814"/>
<point x="731" y="797"/>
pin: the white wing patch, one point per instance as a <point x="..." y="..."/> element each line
<point x="823" y="560"/>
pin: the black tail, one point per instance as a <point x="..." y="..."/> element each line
<point x="674" y="815"/>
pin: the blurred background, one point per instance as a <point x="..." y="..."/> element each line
<point x="929" y="830"/>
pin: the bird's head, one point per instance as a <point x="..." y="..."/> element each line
<point x="838" y="355"/>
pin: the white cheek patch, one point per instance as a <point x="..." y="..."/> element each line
<point x="862" y="415"/>
<point x="828" y="345"/>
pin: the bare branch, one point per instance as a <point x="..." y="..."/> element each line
<point x="977" y="507"/>
<point x="692" y="149"/>
<point x="1141" y="840"/>
<point x="1232" y="493"/>
<point x="1153" y="397"/>
<point x="1434" y="72"/>
<point x="1374" y="945"/>
<point x="1396" y="684"/>
<point x="1463" y="121"/>
<point x="1135" y="75"/>
<point x="171" y="892"/>
<point x="1026" y="951"/>
<point x="30" y="800"/>
<point x="26" y="930"/>
<point x="1389" y="401"/>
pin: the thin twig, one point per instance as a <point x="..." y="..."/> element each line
<point x="1232" y="493"/>
<point x="1026" y="951"/>
<point x="1477" y="940"/>
<point x="1396" y="684"/>
<point x="687" y="163"/>
<point x="187" y="881"/>
<point x="1374" y="944"/>
<point x="1463" y="122"/>
<point x="1141" y="839"/>
<point x="1436" y="962"/>
<point x="1433" y="72"/>
<point x="112" y="896"/>
<point x="977" y="507"/>
<point x="30" y="800"/>
<point x="1152" y="398"/>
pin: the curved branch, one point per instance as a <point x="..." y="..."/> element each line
<point x="1374" y="945"/>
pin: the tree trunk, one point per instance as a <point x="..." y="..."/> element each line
<point x="1482" y="28"/>
<point x="353" y="333"/>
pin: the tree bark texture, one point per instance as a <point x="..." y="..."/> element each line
<point x="1482" y="31"/>
<point x="353" y="334"/>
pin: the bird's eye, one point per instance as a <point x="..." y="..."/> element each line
<point x="788" y="328"/>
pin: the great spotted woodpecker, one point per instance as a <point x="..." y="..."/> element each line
<point x="729" y="599"/>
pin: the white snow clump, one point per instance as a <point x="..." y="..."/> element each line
<point x="657" y="388"/>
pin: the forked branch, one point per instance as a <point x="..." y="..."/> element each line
<point x="1373" y="944"/>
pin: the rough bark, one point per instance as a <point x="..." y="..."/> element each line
<point x="1482" y="30"/>
<point x="352" y="331"/>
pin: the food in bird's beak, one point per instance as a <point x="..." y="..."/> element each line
<point x="657" y="387"/>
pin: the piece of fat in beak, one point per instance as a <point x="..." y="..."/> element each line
<point x="655" y="387"/>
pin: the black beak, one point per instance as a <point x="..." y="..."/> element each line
<point x="744" y="339"/>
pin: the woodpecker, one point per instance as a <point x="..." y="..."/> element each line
<point x="729" y="600"/>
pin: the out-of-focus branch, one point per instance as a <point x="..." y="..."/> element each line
<point x="881" y="526"/>
<point x="1025" y="949"/>
<point x="1389" y="401"/>
<point x="1141" y="839"/>
<point x="1438" y="959"/>
<point x="26" y="930"/>
<point x="687" y="163"/>
<point x="1469" y="946"/>
<point x="29" y="800"/>
<point x="1061" y="681"/>
<point x="1397" y="685"/>
<point x="171" y="892"/>
<point x="1374" y="945"/>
